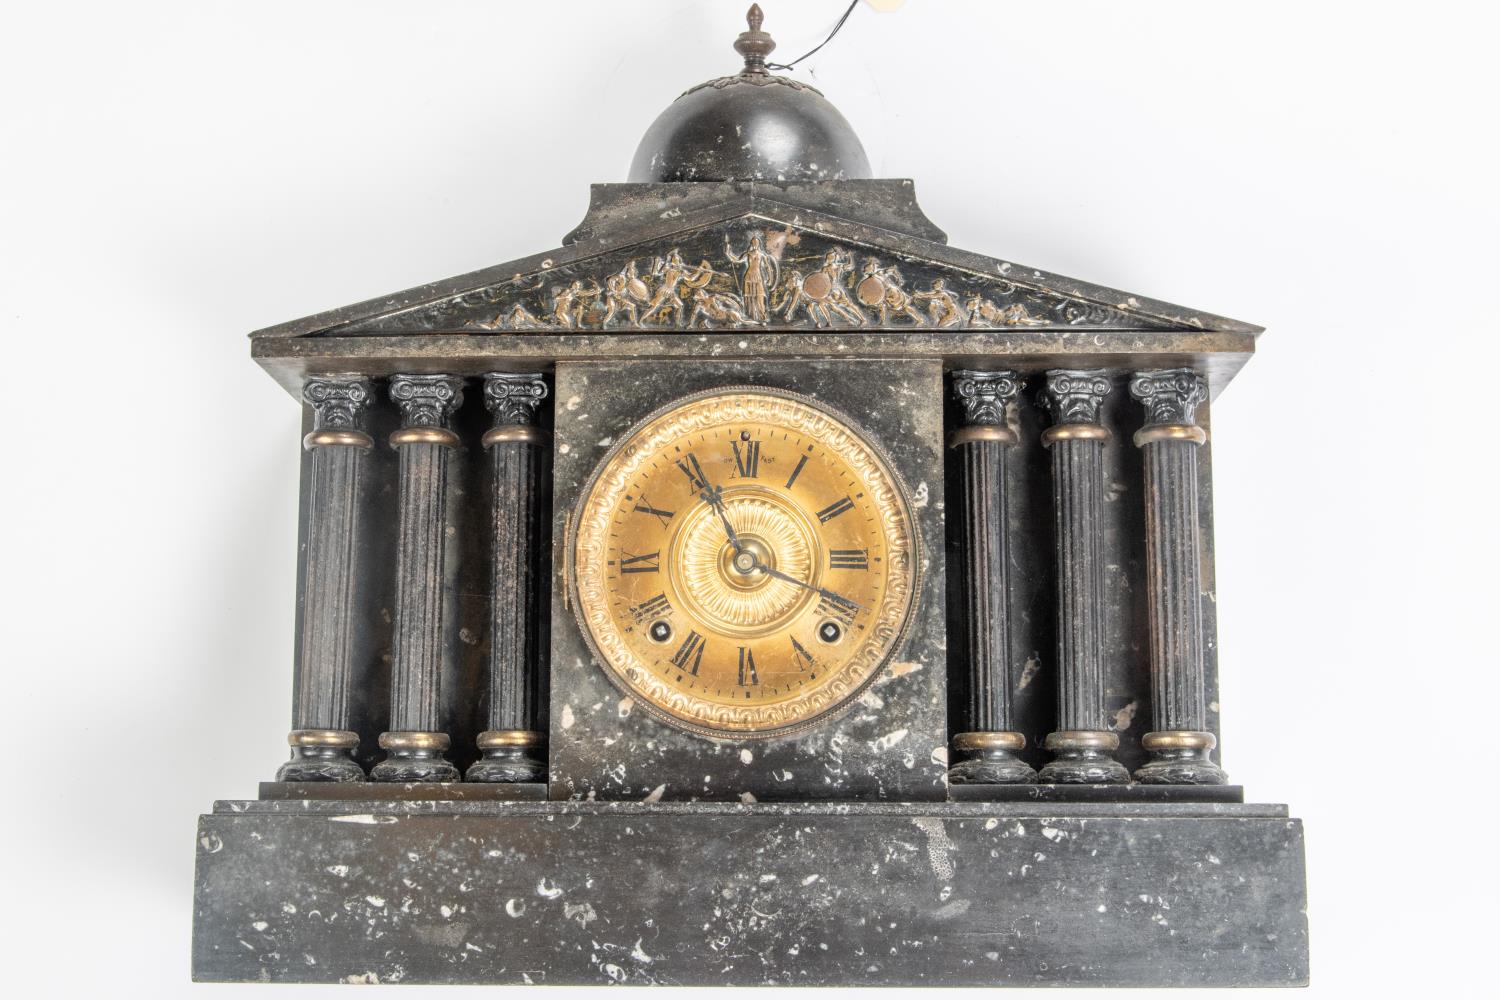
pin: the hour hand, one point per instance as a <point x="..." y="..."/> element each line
<point x="714" y="497"/>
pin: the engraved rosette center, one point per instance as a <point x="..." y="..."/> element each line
<point x="725" y="587"/>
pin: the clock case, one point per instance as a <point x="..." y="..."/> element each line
<point x="666" y="857"/>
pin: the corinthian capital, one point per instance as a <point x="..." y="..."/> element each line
<point x="1074" y="397"/>
<point x="427" y="400"/>
<point x="985" y="395"/>
<point x="1171" y="396"/>
<point x="514" y="399"/>
<point x="338" y="401"/>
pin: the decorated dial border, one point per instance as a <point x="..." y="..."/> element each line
<point x="699" y="413"/>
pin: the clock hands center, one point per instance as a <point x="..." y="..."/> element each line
<point x="744" y="559"/>
<point x="747" y="561"/>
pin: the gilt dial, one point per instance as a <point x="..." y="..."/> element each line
<point x="744" y="562"/>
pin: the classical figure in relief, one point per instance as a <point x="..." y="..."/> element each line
<point x="673" y="272"/>
<point x="822" y="294"/>
<point x="982" y="313"/>
<point x="519" y="318"/>
<point x="761" y="270"/>
<point x="882" y="286"/>
<point x="835" y="265"/>
<point x="570" y="306"/>
<point x="623" y="291"/>
<point x="716" y="307"/>
<point x="942" y="307"/>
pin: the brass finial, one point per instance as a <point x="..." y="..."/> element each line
<point x="754" y="44"/>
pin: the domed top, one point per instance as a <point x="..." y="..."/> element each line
<point x="754" y="126"/>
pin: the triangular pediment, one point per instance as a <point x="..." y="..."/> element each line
<point x="761" y="268"/>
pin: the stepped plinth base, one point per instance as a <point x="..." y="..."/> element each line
<point x="1147" y="893"/>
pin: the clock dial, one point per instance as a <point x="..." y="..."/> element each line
<point x="744" y="563"/>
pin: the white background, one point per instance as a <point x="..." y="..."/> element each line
<point x="173" y="175"/>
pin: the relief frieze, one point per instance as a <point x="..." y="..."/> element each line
<point x="749" y="276"/>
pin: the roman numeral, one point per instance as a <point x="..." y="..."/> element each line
<point x="747" y="668"/>
<point x="834" y="509"/>
<point x="694" y="472"/>
<point x="801" y="656"/>
<point x="691" y="651"/>
<point x="848" y="558"/>
<point x="838" y="610"/>
<point x="748" y="464"/>
<point x="651" y="607"/>
<point x="644" y="507"/>
<point x="796" y="471"/>
<point x="640" y="564"/>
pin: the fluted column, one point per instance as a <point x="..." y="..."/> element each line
<point x="415" y="742"/>
<point x="985" y="751"/>
<point x="512" y="748"/>
<point x="321" y="740"/>
<point x="1083" y="741"/>
<point x="1180" y="742"/>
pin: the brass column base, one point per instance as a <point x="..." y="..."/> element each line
<point x="510" y="755"/>
<point x="1179" y="757"/>
<point x="1083" y="758"/>
<point x="321" y="755"/>
<point x="989" y="758"/>
<point x="412" y="756"/>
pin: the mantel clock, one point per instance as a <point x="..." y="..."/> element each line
<point x="754" y="589"/>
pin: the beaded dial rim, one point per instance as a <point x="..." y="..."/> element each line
<point x="589" y="587"/>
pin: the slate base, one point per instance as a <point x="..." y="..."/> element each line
<point x="379" y="791"/>
<point x="959" y="893"/>
<point x="1035" y="792"/>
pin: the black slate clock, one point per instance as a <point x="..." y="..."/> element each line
<point x="754" y="589"/>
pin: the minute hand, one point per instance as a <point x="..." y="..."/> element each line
<point x="836" y="598"/>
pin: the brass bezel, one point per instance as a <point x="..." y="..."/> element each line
<point x="914" y="576"/>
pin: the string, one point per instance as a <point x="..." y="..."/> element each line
<point x="824" y="42"/>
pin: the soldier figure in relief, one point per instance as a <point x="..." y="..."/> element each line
<point x="716" y="307"/>
<point x="623" y="291"/>
<point x="835" y="264"/>
<point x="518" y="318"/>
<point x="839" y="299"/>
<point x="673" y="271"/>
<point x="821" y="294"/>
<point x="942" y="307"/>
<point x="761" y="272"/>
<point x="570" y="305"/>
<point x="982" y="312"/>
<point x="882" y="286"/>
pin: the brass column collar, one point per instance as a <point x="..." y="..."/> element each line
<point x="1082" y="739"/>
<point x="424" y="435"/>
<point x="1178" y="739"/>
<point x="495" y="739"/>
<point x="982" y="432"/>
<point x="1169" y="432"/>
<point x="989" y="741"/>
<point x="516" y="432"/>
<point x="1074" y="432"/>
<point x="414" y="741"/>
<point x="322" y="738"/>
<point x="325" y="438"/>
